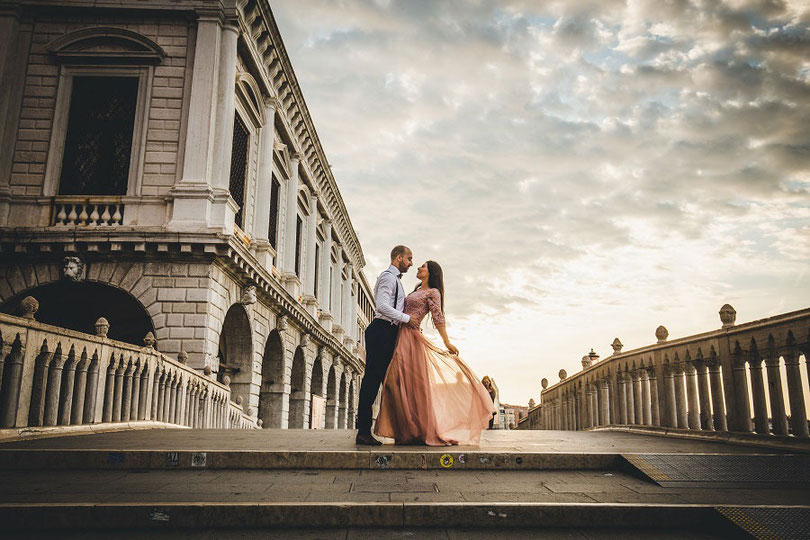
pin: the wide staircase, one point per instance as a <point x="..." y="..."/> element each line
<point x="211" y="483"/>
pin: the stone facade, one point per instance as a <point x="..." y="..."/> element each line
<point x="226" y="234"/>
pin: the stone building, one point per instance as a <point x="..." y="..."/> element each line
<point x="160" y="169"/>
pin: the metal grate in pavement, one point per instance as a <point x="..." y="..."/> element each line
<point x="770" y="522"/>
<point x="724" y="468"/>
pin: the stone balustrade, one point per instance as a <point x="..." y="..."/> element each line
<point x="707" y="382"/>
<point x="83" y="211"/>
<point x="51" y="376"/>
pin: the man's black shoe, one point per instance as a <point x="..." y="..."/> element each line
<point x="367" y="439"/>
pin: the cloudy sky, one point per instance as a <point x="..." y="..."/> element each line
<point x="582" y="170"/>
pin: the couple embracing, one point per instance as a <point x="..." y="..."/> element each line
<point x="430" y="396"/>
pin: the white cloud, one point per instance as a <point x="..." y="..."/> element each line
<point x="582" y="170"/>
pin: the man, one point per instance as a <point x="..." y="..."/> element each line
<point x="381" y="336"/>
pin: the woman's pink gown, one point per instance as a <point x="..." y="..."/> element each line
<point x="430" y="396"/>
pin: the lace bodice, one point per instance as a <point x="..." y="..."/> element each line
<point x="422" y="301"/>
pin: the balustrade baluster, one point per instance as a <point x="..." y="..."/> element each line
<point x="775" y="392"/>
<point x="126" y="397"/>
<point x="11" y="381"/>
<point x="702" y="374"/>
<point x="136" y="391"/>
<point x="716" y="380"/>
<point x="604" y="404"/>
<point x="741" y="389"/>
<point x="798" y="414"/>
<point x="680" y="394"/>
<point x="646" y="402"/>
<point x="123" y="365"/>
<point x="638" y="415"/>
<point x="156" y="393"/>
<point x="594" y="395"/>
<point x="669" y="398"/>
<point x="761" y="423"/>
<point x="629" y="398"/>
<point x="79" y="389"/>
<point x="90" y="395"/>
<point x="67" y="385"/>
<point x="143" y="401"/>
<point x="690" y="373"/>
<point x="162" y="395"/>
<point x="621" y="390"/>
<point x="109" y="388"/>
<point x="54" y="386"/>
<point x="586" y="421"/>
<point x="173" y="401"/>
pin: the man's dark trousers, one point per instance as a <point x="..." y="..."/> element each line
<point x="381" y="338"/>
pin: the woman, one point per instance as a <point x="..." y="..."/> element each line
<point x="430" y="395"/>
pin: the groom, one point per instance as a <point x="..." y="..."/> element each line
<point x="381" y="336"/>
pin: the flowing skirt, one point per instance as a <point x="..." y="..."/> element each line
<point x="430" y="396"/>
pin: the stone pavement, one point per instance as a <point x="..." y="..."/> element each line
<point x="581" y="484"/>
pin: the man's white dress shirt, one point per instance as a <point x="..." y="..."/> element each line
<point x="388" y="288"/>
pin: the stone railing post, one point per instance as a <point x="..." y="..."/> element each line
<point x="776" y="393"/>
<point x="11" y="370"/>
<point x="798" y="414"/>
<point x="629" y="398"/>
<point x="680" y="394"/>
<point x="585" y="407"/>
<point x="54" y="387"/>
<point x="593" y="395"/>
<point x="79" y="389"/>
<point x="646" y="404"/>
<point x="741" y="406"/>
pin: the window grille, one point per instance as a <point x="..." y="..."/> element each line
<point x="298" y="226"/>
<point x="98" y="143"/>
<point x="273" y="228"/>
<point x="239" y="152"/>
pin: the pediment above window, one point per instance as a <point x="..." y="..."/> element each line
<point x="106" y="45"/>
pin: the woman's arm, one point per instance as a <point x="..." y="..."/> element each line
<point x="443" y="331"/>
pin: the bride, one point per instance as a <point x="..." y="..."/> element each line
<point x="430" y="395"/>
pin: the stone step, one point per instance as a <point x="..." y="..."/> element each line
<point x="252" y="515"/>
<point x="14" y="459"/>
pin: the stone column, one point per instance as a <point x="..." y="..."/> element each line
<point x="604" y="384"/>
<point x="718" y="405"/>
<point x="629" y="398"/>
<point x="264" y="185"/>
<point x="655" y="409"/>
<point x="291" y="281"/>
<point x="703" y="394"/>
<point x="761" y="424"/>
<point x="192" y="206"/>
<point x="692" y="396"/>
<point x="798" y="415"/>
<point x="740" y="382"/>
<point x="776" y="393"/>
<point x="670" y="408"/>
<point x="346" y="305"/>
<point x="622" y="395"/>
<point x="637" y="398"/>
<point x="309" y="299"/>
<point x="323" y="288"/>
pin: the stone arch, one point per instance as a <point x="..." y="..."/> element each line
<point x="299" y="390"/>
<point x="331" y="398"/>
<point x="111" y="43"/>
<point x="132" y="278"/>
<point x="235" y="351"/>
<point x="342" y="401"/>
<point x="78" y="305"/>
<point x="271" y="394"/>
